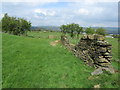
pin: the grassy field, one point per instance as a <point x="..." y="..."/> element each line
<point x="31" y="62"/>
<point x="0" y="61"/>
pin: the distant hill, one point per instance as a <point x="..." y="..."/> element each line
<point x="110" y="30"/>
<point x="53" y="28"/>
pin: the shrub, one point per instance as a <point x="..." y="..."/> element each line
<point x="16" y="26"/>
<point x="90" y="30"/>
<point x="101" y="31"/>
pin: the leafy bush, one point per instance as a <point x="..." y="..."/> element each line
<point x="101" y="31"/>
<point x="16" y="26"/>
<point x="90" y="30"/>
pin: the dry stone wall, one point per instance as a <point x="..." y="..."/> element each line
<point x="92" y="49"/>
<point x="98" y="50"/>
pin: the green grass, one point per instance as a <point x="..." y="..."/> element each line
<point x="34" y="63"/>
<point x="0" y="61"/>
<point x="114" y="42"/>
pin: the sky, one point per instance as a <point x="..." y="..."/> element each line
<point x="58" y="12"/>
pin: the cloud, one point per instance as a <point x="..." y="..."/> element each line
<point x="1" y="15"/>
<point x="40" y="11"/>
<point x="58" y="13"/>
<point x="30" y="1"/>
<point x="86" y="1"/>
<point x="44" y="12"/>
<point x="90" y="1"/>
<point x="83" y="11"/>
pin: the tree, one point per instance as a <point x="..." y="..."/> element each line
<point x="64" y="28"/>
<point x="90" y="30"/>
<point x="0" y="26"/>
<point x="5" y="23"/>
<point x="79" y="30"/>
<point x="71" y="29"/>
<point x="25" y="26"/>
<point x="101" y="31"/>
<point x="16" y="26"/>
